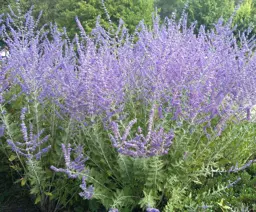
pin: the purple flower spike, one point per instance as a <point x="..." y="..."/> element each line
<point x="157" y="142"/>
<point x="32" y="145"/>
<point x="113" y="210"/>
<point x="74" y="168"/>
<point x="2" y="128"/>
<point x="87" y="191"/>
<point x="152" y="210"/>
<point x="245" y="166"/>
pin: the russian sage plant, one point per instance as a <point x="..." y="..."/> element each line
<point x="154" y="114"/>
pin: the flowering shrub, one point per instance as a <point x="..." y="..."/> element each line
<point x="151" y="113"/>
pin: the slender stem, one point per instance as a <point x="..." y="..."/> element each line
<point x="53" y="176"/>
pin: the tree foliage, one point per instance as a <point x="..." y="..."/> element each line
<point x="207" y="12"/>
<point x="246" y="15"/>
<point x="63" y="12"/>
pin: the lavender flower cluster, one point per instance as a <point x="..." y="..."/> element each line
<point x="2" y="128"/>
<point x="198" y="76"/>
<point x="156" y="142"/>
<point x="32" y="145"/>
<point x="152" y="210"/>
<point x="113" y="210"/>
<point x="195" y="77"/>
<point x="76" y="169"/>
<point x="245" y="166"/>
<point x="73" y="168"/>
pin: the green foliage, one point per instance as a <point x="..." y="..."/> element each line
<point x="208" y="12"/>
<point x="63" y="12"/>
<point x="192" y="176"/>
<point x="246" y="15"/>
<point x="155" y="174"/>
<point x="168" y="7"/>
<point x="130" y="11"/>
<point x="204" y="12"/>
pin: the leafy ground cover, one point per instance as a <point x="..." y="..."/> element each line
<point x="158" y="120"/>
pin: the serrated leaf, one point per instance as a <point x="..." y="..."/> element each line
<point x="23" y="181"/>
<point x="34" y="190"/>
<point x="38" y="199"/>
<point x="14" y="167"/>
<point x="226" y="207"/>
<point x="12" y="158"/>
<point x="197" y="182"/>
<point x="48" y="194"/>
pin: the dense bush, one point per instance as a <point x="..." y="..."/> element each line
<point x="158" y="120"/>
<point x="63" y="12"/>
<point x="207" y="12"/>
